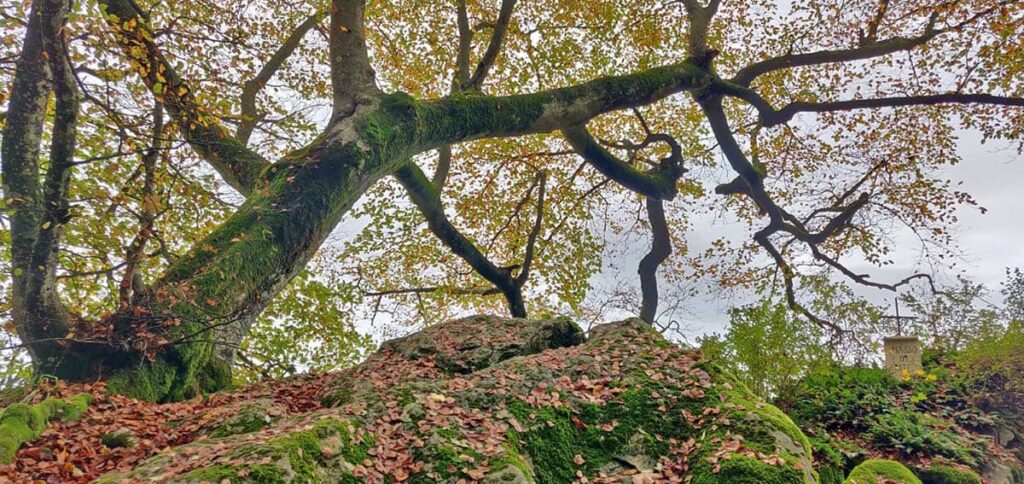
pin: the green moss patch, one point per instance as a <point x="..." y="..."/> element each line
<point x="745" y="470"/>
<point x="873" y="471"/>
<point x="940" y="474"/>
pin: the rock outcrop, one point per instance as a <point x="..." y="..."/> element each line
<point x="501" y="400"/>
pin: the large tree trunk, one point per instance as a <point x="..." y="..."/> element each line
<point x="208" y="297"/>
<point x="206" y="301"/>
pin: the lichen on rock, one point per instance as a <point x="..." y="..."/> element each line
<point x="506" y="400"/>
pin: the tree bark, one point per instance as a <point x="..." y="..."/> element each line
<point x="661" y="248"/>
<point x="38" y="210"/>
<point x="427" y="199"/>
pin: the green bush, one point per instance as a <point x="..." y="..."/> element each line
<point x="922" y="417"/>
<point x="842" y="398"/>
<point x="914" y="433"/>
<point x="768" y="348"/>
<point x="996" y="369"/>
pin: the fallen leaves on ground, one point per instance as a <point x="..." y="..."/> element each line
<point x="69" y="452"/>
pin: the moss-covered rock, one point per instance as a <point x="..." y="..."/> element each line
<point x="874" y="471"/>
<point x="245" y="417"/>
<point x="119" y="438"/>
<point x="502" y="400"/>
<point x="940" y="474"/>
<point x="21" y="422"/>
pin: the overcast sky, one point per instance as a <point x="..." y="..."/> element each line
<point x="991" y="242"/>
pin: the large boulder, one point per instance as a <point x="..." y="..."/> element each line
<point x="502" y="400"/>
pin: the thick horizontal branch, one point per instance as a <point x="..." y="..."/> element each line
<point x="460" y="118"/>
<point x="659" y="184"/>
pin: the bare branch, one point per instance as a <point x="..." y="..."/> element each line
<point x="129" y="287"/>
<point x="478" y="291"/>
<point x="748" y="74"/>
<point x="249" y="115"/>
<point x="494" y="47"/>
<point x="658" y="183"/>
<point x="465" y="47"/>
<point x="868" y="46"/>
<point x="531" y="240"/>
<point x="773" y="118"/>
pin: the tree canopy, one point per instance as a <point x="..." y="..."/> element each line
<point x="190" y="184"/>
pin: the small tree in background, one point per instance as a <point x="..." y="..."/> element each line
<point x="768" y="347"/>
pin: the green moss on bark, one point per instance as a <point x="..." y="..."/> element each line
<point x="151" y="381"/>
<point x="20" y="423"/>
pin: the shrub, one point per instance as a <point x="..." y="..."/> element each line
<point x="768" y="348"/>
<point x="913" y="433"/>
<point x="996" y="369"/>
<point x="842" y="398"/>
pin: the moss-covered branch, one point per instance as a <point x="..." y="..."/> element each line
<point x="460" y="118"/>
<point x="659" y="184"/>
<point x="21" y="422"/>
